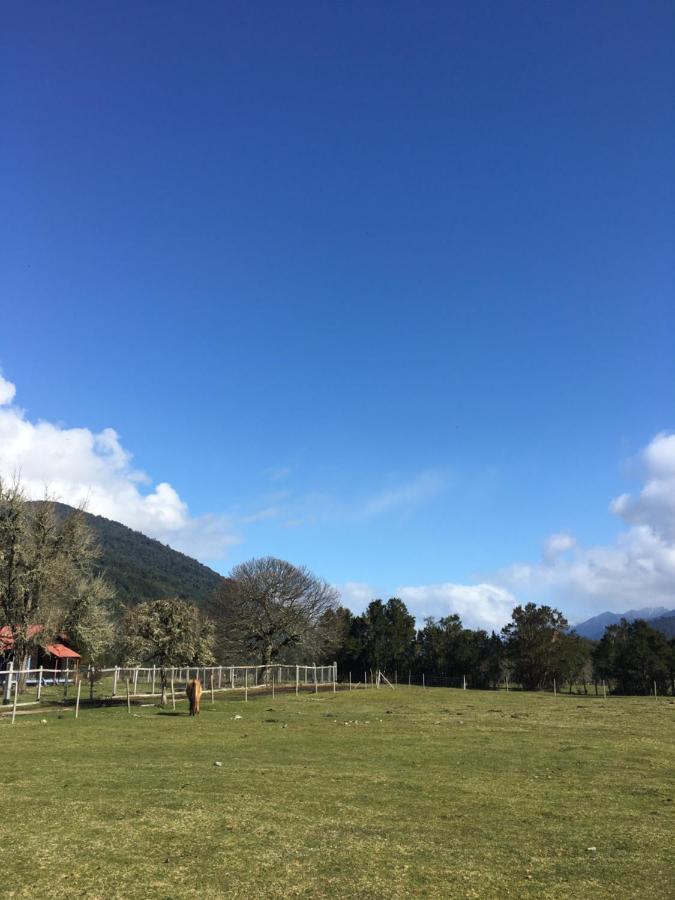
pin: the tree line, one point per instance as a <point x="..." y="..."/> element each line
<point x="269" y="610"/>
<point x="536" y="650"/>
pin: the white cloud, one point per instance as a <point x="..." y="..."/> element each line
<point x="486" y="606"/>
<point x="634" y="571"/>
<point x="423" y="487"/>
<point x="7" y="391"/>
<point x="654" y="506"/>
<point x="637" y="570"/>
<point x="77" y="464"/>
<point x="356" y="595"/>
<point x="558" y="544"/>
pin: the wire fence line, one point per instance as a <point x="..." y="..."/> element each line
<point x="146" y="681"/>
<point x="116" y="683"/>
<point x="472" y="681"/>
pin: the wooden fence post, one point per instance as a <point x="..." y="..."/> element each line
<point x="350" y="681"/>
<point x="272" y="685"/>
<point x="173" y="695"/>
<point x="246" y="684"/>
<point x="297" y="680"/>
<point x="136" y="680"/>
<point x="212" y="697"/>
<point x="39" y="686"/>
<point x="316" y="683"/>
<point x="16" y="694"/>
<point x="8" y="683"/>
<point x="128" y="696"/>
<point x="154" y="670"/>
<point x="77" y="699"/>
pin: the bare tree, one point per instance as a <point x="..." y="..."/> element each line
<point x="268" y="605"/>
<point x="89" y="625"/>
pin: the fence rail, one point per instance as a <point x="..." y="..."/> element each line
<point x="148" y="681"/>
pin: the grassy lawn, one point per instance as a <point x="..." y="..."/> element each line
<point x="436" y="793"/>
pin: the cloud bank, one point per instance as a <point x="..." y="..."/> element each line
<point x="484" y="606"/>
<point x="76" y="464"/>
<point x="636" y="570"/>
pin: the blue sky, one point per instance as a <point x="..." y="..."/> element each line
<point x="380" y="289"/>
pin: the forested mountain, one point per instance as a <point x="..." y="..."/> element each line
<point x="140" y="568"/>
<point x="665" y="624"/>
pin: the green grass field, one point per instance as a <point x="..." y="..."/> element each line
<point x="436" y="793"/>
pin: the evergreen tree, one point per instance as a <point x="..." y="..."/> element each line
<point x="635" y="656"/>
<point x="533" y="642"/>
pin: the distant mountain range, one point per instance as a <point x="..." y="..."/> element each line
<point x="658" y="617"/>
<point x="140" y="568"/>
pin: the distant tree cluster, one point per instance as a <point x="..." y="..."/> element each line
<point x="635" y="657"/>
<point x="384" y="637"/>
<point x="535" y="651"/>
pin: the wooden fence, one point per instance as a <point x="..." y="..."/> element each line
<point x="146" y="681"/>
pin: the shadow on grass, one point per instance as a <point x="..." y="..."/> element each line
<point x="169" y="712"/>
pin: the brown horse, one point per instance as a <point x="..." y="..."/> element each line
<point x="194" y="695"/>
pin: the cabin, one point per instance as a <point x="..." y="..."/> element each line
<point x="55" y="655"/>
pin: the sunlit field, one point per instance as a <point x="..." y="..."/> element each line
<point x="378" y="793"/>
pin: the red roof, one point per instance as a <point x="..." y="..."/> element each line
<point x="61" y="651"/>
<point x="7" y="638"/>
<point x="58" y="650"/>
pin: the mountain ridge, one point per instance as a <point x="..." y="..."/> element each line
<point x="594" y="628"/>
<point x="141" y="568"/>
